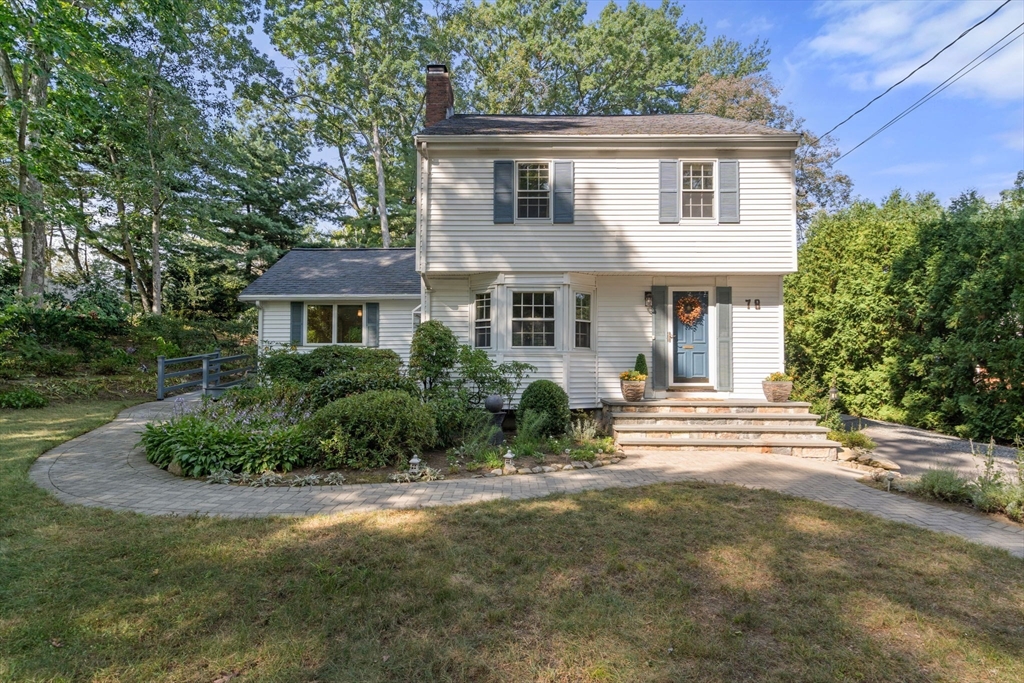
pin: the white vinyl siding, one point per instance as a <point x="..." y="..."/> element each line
<point x="395" y="326"/>
<point x="616" y="227"/>
<point x="623" y="329"/>
<point x="757" y="334"/>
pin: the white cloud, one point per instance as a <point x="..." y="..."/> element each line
<point x="1012" y="140"/>
<point x="872" y="45"/>
<point x="758" y="25"/>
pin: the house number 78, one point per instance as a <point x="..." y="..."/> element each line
<point x="757" y="304"/>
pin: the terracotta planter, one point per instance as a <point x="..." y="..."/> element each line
<point x="777" y="392"/>
<point x="633" y="391"/>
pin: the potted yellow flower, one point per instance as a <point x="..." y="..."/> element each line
<point x="777" y="387"/>
<point x="633" y="382"/>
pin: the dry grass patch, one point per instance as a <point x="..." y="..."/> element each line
<point x="677" y="582"/>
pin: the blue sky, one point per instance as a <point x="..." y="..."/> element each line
<point x="830" y="58"/>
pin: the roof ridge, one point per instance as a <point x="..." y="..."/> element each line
<point x="351" y="249"/>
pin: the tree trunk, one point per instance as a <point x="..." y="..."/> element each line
<point x="156" y="204"/>
<point x="378" y="160"/>
<point x="155" y="234"/>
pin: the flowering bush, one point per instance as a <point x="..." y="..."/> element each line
<point x="249" y="430"/>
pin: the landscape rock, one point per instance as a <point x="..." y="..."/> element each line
<point x="537" y="470"/>
<point x="496" y="471"/>
<point x="577" y="465"/>
<point x="568" y="467"/>
<point x="547" y="468"/>
<point x="175" y="469"/>
<point x="614" y="460"/>
<point x="589" y="465"/>
<point x="508" y="469"/>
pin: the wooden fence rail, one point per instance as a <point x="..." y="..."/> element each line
<point x="206" y="372"/>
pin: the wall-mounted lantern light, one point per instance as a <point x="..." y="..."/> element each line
<point x="833" y="393"/>
<point x="649" y="302"/>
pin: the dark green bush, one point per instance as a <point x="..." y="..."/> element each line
<point x="329" y="389"/>
<point x="54" y="363"/>
<point x="454" y="415"/>
<point x="291" y="365"/>
<point x="944" y="484"/>
<point x="19" y="399"/>
<point x="546" y="398"/>
<point x="641" y="364"/>
<point x="373" y="429"/>
<point x="113" y="363"/>
<point x="434" y="354"/>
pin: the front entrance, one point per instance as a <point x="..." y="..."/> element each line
<point x="690" y="352"/>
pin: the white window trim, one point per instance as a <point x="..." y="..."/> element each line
<point x="551" y="192"/>
<point x="593" y="341"/>
<point x="473" y="319"/>
<point x="713" y="218"/>
<point x="555" y="291"/>
<point x="334" y="322"/>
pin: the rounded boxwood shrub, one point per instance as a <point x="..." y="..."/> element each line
<point x="373" y="429"/>
<point x="546" y="398"/>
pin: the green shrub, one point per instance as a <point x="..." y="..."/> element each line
<point x="373" y="429"/>
<point x="251" y="429"/>
<point x="641" y="364"/>
<point x="54" y="363"/>
<point x="288" y="365"/>
<point x="115" y="362"/>
<point x="852" y="439"/>
<point x="325" y="390"/>
<point x="454" y="416"/>
<point x="530" y="433"/>
<point x="19" y="399"/>
<point x="943" y="484"/>
<point x="546" y="398"/>
<point x="434" y="354"/>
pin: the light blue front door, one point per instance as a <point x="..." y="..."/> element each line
<point x="690" y="351"/>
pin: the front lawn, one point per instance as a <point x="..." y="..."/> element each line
<point x="668" y="583"/>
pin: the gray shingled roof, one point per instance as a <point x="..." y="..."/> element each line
<point x="339" y="272"/>
<point x="651" y="124"/>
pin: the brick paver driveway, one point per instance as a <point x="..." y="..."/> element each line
<point x="104" y="468"/>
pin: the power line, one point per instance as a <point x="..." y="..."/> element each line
<point x="942" y="86"/>
<point x="902" y="80"/>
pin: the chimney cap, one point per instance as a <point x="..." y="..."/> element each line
<point x="437" y="68"/>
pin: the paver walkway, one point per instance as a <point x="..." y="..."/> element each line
<point x="104" y="468"/>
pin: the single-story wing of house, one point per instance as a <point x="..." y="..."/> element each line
<point x="315" y="297"/>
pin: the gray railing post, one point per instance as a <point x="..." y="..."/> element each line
<point x="217" y="368"/>
<point x="206" y="374"/>
<point x="159" y="378"/>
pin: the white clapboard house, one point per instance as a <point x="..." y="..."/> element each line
<point x="574" y="243"/>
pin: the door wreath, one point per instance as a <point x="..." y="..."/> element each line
<point x="689" y="310"/>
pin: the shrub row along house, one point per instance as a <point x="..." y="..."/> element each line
<point x="573" y="243"/>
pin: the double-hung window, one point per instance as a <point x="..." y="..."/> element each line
<point x="482" y="321"/>
<point x="533" y="319"/>
<point x="583" y="321"/>
<point x="698" y="189"/>
<point x="533" y="190"/>
<point x="334" y="324"/>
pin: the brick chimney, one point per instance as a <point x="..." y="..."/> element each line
<point x="440" y="96"/>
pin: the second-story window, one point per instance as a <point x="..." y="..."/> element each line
<point x="698" y="189"/>
<point x="533" y="189"/>
<point x="482" y="321"/>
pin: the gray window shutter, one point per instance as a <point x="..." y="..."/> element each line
<point x="660" y="350"/>
<point x="668" y="191"/>
<point x="504" y="191"/>
<point x="297" y="308"/>
<point x="563" y="194"/>
<point x="728" y="191"/>
<point x="372" y="312"/>
<point x="723" y="297"/>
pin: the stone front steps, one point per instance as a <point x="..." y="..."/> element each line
<point x="718" y="425"/>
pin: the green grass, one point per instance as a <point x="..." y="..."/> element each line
<point x="668" y="583"/>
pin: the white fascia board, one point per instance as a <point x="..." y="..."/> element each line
<point x="327" y="297"/>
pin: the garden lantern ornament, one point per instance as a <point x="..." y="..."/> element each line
<point x="414" y="464"/>
<point x="509" y="457"/>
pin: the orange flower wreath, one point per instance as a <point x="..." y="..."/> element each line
<point x="689" y="310"/>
